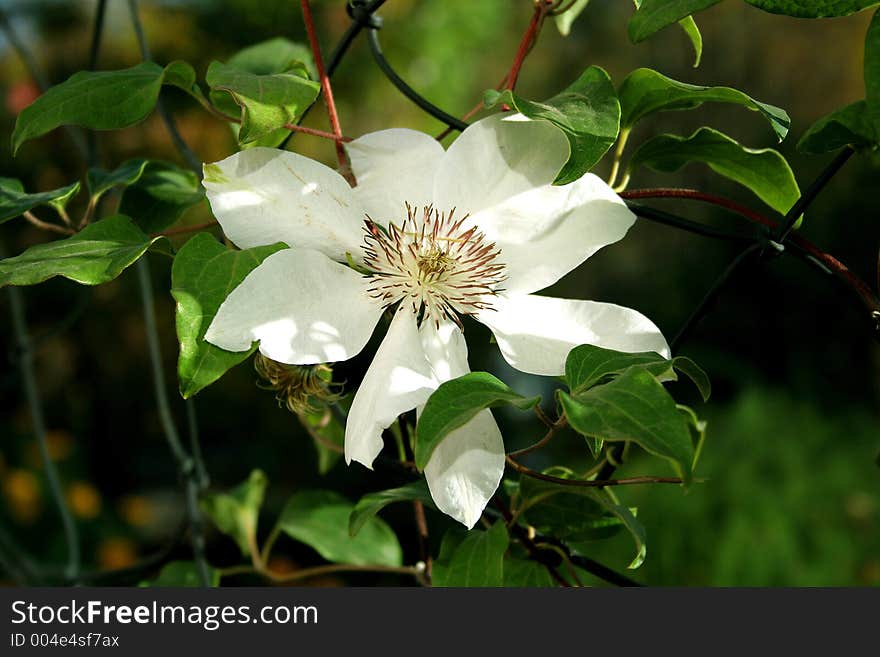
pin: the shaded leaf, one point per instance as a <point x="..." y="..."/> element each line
<point x="326" y="431"/>
<point x="872" y="71"/>
<point x="848" y="126"/>
<point x="276" y="55"/>
<point x="526" y="573"/>
<point x="813" y="8"/>
<point x="634" y="406"/>
<point x="202" y="276"/>
<point x="14" y="201"/>
<point x="319" y="518"/>
<point x="182" y="574"/>
<point x="160" y="196"/>
<point x="477" y="560"/>
<point x="645" y="91"/>
<point x="99" y="181"/>
<point x="587" y="112"/>
<point x="236" y="512"/>
<point x="588" y="365"/>
<point x="455" y="403"/>
<point x="93" y="256"/>
<point x="578" y="514"/>
<point x="764" y="171"/>
<point x="99" y="100"/>
<point x="371" y="503"/>
<point x="654" y="15"/>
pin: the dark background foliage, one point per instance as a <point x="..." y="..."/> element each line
<point x="790" y="493"/>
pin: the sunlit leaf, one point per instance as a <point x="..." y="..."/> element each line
<point x="455" y="403"/>
<point x="93" y="256"/>
<point x="587" y="112"/>
<point x="319" y="518"/>
<point x="763" y="170"/>
<point x="235" y="513"/>
<point x="202" y="276"/>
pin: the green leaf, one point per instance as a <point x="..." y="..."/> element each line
<point x="14" y="201"/>
<point x="634" y="406"/>
<point x="566" y="18"/>
<point x="202" y="276"/>
<point x="645" y="91"/>
<point x="182" y="574"/>
<point x="326" y="430"/>
<point x="588" y="365"/>
<point x="872" y="71"/>
<point x="267" y="102"/>
<point x="764" y="171"/>
<point x="99" y="100"/>
<point x="455" y="403"/>
<point x="813" y="8"/>
<point x="692" y="32"/>
<point x="697" y="428"/>
<point x="370" y="504"/>
<point x="236" y="513"/>
<point x="847" y="126"/>
<point x="160" y="196"/>
<point x="100" y="181"/>
<point x="520" y="573"/>
<point x="93" y="256"/>
<point x="654" y="15"/>
<point x="319" y="518"/>
<point x="587" y="112"/>
<point x="277" y="55"/>
<point x="577" y="514"/>
<point x="478" y="560"/>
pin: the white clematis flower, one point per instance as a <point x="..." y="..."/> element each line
<point x="473" y="230"/>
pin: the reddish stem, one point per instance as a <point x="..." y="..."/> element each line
<point x="528" y="40"/>
<point x="869" y="298"/>
<point x="185" y="229"/>
<point x="316" y="133"/>
<point x="670" y="192"/>
<point x="326" y="90"/>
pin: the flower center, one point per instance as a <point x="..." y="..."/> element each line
<point x="433" y="262"/>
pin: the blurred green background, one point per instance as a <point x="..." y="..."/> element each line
<point x="791" y="493"/>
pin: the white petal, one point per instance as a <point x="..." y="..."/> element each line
<point x="546" y="232"/>
<point x="498" y="157"/>
<point x="466" y="467"/>
<point x="393" y="167"/>
<point x="536" y="333"/>
<point x="302" y="307"/>
<point x="398" y="380"/>
<point x="445" y="349"/>
<point x="265" y="195"/>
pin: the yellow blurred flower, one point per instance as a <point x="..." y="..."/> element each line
<point x="21" y="488"/>
<point x="84" y="500"/>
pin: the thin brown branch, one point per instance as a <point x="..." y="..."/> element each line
<point x="555" y="428"/>
<point x="595" y="483"/>
<point x="45" y="225"/>
<point x="185" y="229"/>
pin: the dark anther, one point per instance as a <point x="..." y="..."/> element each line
<point x="361" y="12"/>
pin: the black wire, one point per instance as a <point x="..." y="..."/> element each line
<point x="668" y="219"/>
<point x="812" y="192"/>
<point x="359" y="13"/>
<point x="405" y="89"/>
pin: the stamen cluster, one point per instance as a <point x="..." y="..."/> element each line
<point x="434" y="262"/>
